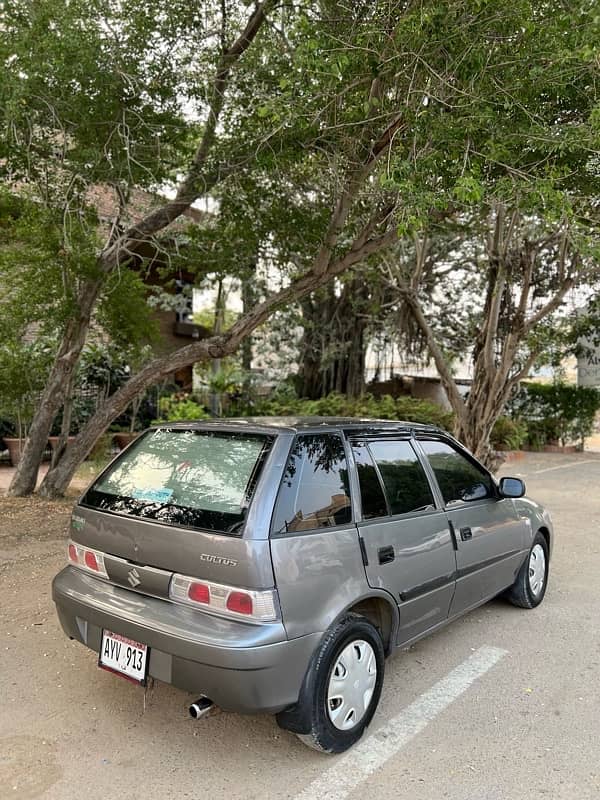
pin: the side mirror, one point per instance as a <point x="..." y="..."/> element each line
<point x="511" y="487"/>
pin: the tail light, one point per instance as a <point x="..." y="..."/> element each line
<point x="86" y="559"/>
<point x="226" y="601"/>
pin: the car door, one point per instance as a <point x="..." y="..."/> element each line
<point x="489" y="533"/>
<point x="405" y="535"/>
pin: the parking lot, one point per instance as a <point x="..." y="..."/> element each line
<point x="504" y="703"/>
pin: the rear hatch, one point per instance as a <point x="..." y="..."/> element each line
<point x="177" y="501"/>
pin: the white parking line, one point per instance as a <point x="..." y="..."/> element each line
<point x="337" y="782"/>
<point x="566" y="466"/>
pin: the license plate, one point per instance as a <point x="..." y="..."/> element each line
<point x="124" y="656"/>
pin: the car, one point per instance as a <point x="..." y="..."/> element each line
<point x="273" y="564"/>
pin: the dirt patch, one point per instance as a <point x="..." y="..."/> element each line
<point x="28" y="766"/>
<point x="27" y="522"/>
<point x="33" y="518"/>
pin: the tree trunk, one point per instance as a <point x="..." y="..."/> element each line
<point x="310" y="376"/>
<point x="248" y="300"/>
<point x="216" y="398"/>
<point x="53" y="396"/>
<point x="333" y="348"/>
<point x="65" y="428"/>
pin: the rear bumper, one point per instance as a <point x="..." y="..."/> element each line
<point x="240" y="667"/>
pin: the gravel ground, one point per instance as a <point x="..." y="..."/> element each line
<point x="528" y="728"/>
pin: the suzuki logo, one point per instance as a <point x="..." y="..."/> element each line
<point x="133" y="578"/>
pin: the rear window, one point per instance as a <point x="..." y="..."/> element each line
<point x="192" y="478"/>
<point x="314" y="491"/>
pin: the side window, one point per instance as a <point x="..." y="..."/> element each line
<point x="459" y="479"/>
<point x="406" y="484"/>
<point x="371" y="493"/>
<point x="314" y="491"/>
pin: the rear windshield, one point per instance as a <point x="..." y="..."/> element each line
<point x="192" y="478"/>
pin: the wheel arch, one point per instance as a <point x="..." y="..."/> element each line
<point x="547" y="536"/>
<point x="381" y="614"/>
<point x="379" y="609"/>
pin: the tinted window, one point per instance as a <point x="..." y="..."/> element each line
<point x="371" y="493"/>
<point x="194" y="478"/>
<point x="459" y="479"/>
<point x="314" y="492"/>
<point x="406" y="484"/>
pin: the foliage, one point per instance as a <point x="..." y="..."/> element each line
<point x="181" y="408"/>
<point x="368" y="406"/>
<point x="556" y="412"/>
<point x="206" y="318"/>
<point x="85" y="99"/>
<point x="227" y="380"/>
<point x="508" y="434"/>
<point x="23" y="370"/>
<point x="38" y="273"/>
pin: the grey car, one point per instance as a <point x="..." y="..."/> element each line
<point x="272" y="564"/>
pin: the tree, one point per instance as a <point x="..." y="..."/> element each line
<point x="374" y="120"/>
<point x="512" y="315"/>
<point x="34" y="311"/>
<point x="76" y="41"/>
<point x="335" y="324"/>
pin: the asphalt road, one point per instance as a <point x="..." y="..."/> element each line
<point x="502" y="704"/>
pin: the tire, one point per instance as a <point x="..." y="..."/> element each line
<point x="336" y="711"/>
<point x="529" y="588"/>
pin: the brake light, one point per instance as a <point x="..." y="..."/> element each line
<point x="199" y="593"/>
<point x="86" y="559"/>
<point x="226" y="601"/>
<point x="240" y="602"/>
<point x="90" y="560"/>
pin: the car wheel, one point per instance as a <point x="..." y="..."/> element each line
<point x="529" y="588"/>
<point x="345" y="686"/>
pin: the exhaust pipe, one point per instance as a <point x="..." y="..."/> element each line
<point x="201" y="708"/>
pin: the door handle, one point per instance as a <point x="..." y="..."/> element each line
<point x="386" y="554"/>
<point x="466" y="534"/>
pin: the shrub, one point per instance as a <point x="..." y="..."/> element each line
<point x="180" y="408"/>
<point x="408" y="409"/>
<point x="508" y="434"/>
<point x="556" y="412"/>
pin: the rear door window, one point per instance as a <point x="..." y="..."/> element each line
<point x="406" y="484"/>
<point x="314" y="491"/>
<point x="371" y="494"/>
<point x="459" y="478"/>
<point x="195" y="478"/>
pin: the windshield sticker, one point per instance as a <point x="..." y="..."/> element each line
<point x="153" y="495"/>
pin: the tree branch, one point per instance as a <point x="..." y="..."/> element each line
<point x="454" y="396"/>
<point x="221" y="345"/>
<point x="567" y="283"/>
<point x="194" y="184"/>
<point x="349" y="193"/>
<point x="499" y="267"/>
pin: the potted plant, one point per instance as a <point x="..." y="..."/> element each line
<point x="124" y="438"/>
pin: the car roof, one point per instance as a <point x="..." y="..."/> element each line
<point x="294" y="424"/>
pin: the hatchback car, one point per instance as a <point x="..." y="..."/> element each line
<point x="271" y="564"/>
